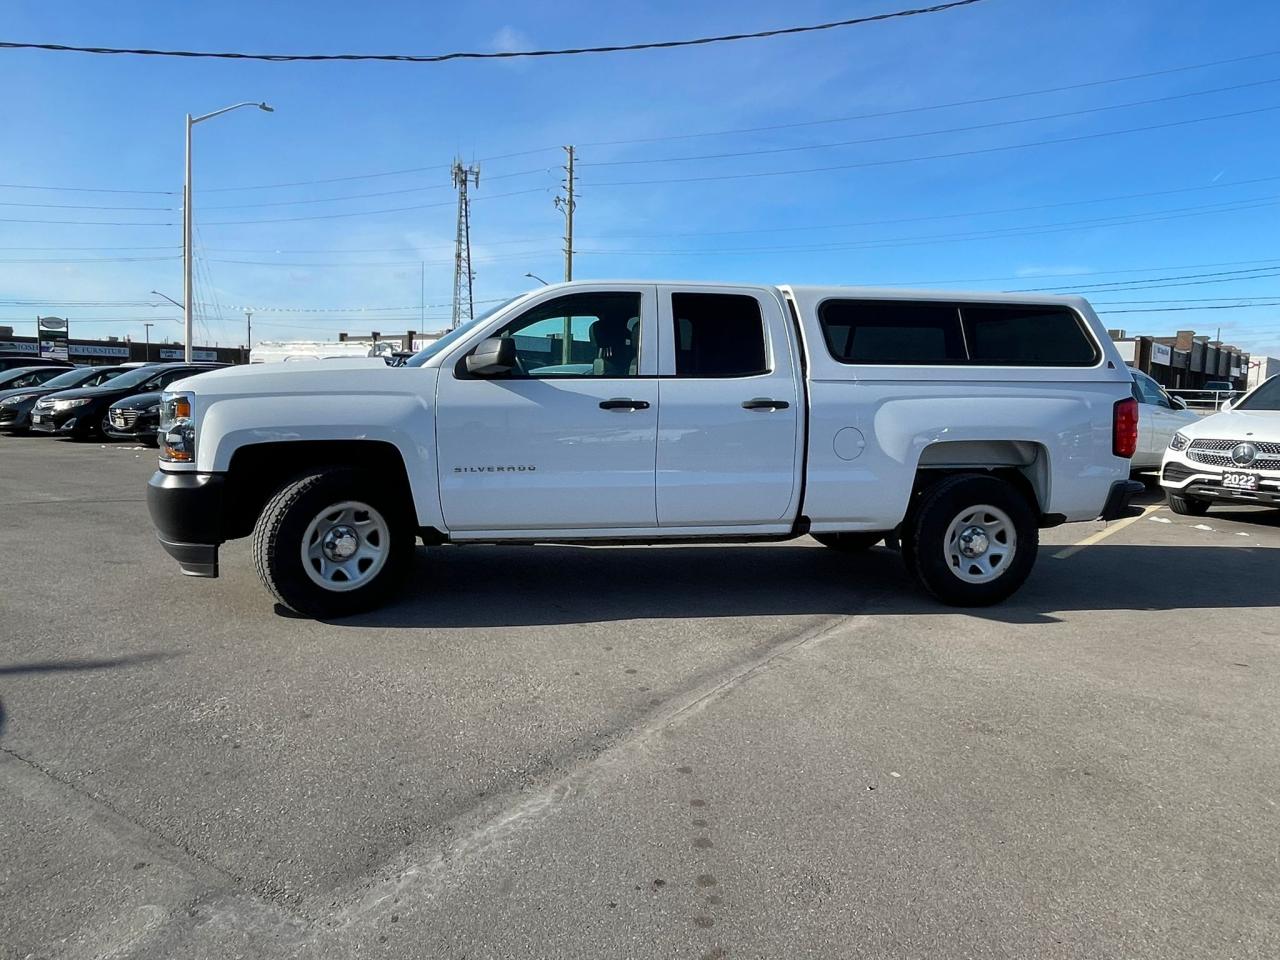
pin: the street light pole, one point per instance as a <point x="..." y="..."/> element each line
<point x="147" y="355"/>
<point x="188" y="310"/>
<point x="534" y="276"/>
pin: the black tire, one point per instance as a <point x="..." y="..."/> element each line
<point x="849" y="541"/>
<point x="279" y="533"/>
<point x="1186" y="506"/>
<point x="927" y="550"/>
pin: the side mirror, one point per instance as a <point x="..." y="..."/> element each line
<point x="1227" y="404"/>
<point x="493" y="358"/>
<point x="1178" y="403"/>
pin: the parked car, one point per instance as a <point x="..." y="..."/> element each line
<point x="955" y="424"/>
<point x="10" y="360"/>
<point x="16" y="377"/>
<point x="1222" y="386"/>
<point x="1159" y="418"/>
<point x="135" y="418"/>
<point x="79" y="413"/>
<point x="16" y="404"/>
<point x="1229" y="457"/>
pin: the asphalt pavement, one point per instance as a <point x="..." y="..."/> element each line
<point x="695" y="751"/>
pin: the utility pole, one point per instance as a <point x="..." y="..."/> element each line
<point x="248" y="331"/>
<point x="147" y="324"/>
<point x="187" y="305"/>
<point x="462" y="178"/>
<point x="567" y="204"/>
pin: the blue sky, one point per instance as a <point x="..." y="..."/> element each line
<point x="1063" y="215"/>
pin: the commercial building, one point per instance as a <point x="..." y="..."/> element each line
<point x="114" y="350"/>
<point x="1185" y="361"/>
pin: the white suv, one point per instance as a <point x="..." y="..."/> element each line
<point x="1231" y="457"/>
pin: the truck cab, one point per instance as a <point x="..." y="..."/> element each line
<point x="649" y="412"/>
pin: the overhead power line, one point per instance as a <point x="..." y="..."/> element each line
<point x="443" y="168"/>
<point x="928" y="133"/>
<point x="976" y="101"/>
<point x="937" y="156"/>
<point x="496" y="54"/>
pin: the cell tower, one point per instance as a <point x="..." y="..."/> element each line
<point x="462" y="275"/>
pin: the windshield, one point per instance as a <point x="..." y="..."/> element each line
<point x="134" y="377"/>
<point x="454" y="335"/>
<point x="72" y="378"/>
<point x="1266" y="397"/>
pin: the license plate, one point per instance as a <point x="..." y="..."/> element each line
<point x="1240" y="481"/>
<point x="37" y="418"/>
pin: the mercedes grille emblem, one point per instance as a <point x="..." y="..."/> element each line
<point x="1244" y="454"/>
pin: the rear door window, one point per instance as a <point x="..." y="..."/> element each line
<point x="718" y="335"/>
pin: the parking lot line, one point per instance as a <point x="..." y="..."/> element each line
<point x="1106" y="532"/>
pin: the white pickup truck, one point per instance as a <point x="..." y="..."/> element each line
<point x="952" y="425"/>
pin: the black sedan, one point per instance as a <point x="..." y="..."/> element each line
<point x="79" y="414"/>
<point x="16" y="402"/>
<point x="135" y="418"/>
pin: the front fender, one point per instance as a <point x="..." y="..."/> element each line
<point x="406" y="421"/>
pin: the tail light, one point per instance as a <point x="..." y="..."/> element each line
<point x="1124" y="428"/>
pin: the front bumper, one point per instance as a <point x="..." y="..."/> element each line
<point x="16" y="417"/>
<point x="188" y="511"/>
<point x="1204" y="481"/>
<point x="56" y="421"/>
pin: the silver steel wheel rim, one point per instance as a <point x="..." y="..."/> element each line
<point x="345" y="546"/>
<point x="980" y="543"/>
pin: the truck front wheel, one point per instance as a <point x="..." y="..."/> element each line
<point x="332" y="544"/>
<point x="972" y="540"/>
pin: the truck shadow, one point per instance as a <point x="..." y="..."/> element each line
<point x="502" y="586"/>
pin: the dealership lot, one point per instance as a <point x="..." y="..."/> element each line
<point x="689" y="752"/>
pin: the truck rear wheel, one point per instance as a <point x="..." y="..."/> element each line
<point x="332" y="544"/>
<point x="972" y="540"/>
<point x="849" y="541"/>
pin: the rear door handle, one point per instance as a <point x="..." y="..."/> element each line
<point x="624" y="403"/>
<point x="764" y="403"/>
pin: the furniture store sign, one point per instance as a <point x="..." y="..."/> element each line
<point x="52" y="334"/>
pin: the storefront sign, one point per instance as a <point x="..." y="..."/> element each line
<point x="92" y="350"/>
<point x="170" y="354"/>
<point x="11" y="346"/>
<point x="53" y="337"/>
<point x="1161" y="353"/>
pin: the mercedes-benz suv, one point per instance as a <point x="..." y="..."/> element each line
<point x="1230" y="457"/>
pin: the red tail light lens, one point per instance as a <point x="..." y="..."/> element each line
<point x="1124" y="428"/>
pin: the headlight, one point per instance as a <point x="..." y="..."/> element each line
<point x="70" y="404"/>
<point x="1179" y="441"/>
<point x="20" y="398"/>
<point x="177" y="429"/>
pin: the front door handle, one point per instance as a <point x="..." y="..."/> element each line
<point x="624" y="403"/>
<point x="764" y="403"/>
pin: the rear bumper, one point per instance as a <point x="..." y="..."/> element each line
<point x="1117" y="506"/>
<point x="188" y="511"/>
